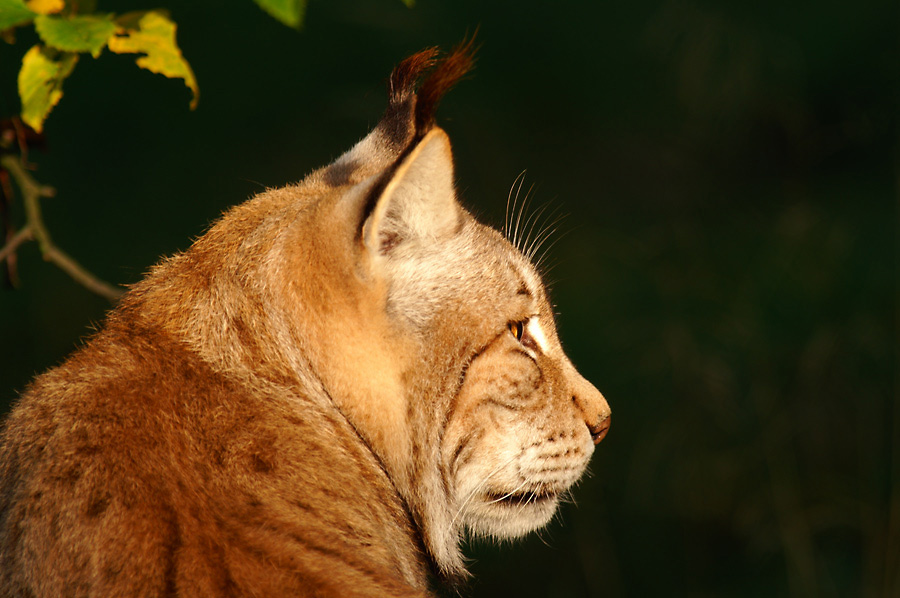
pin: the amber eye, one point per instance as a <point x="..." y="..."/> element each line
<point x="517" y="329"/>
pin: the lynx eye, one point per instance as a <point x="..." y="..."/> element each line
<point x="517" y="329"/>
<point x="522" y="331"/>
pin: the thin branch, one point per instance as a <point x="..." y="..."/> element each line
<point x="13" y="244"/>
<point x="81" y="276"/>
<point x="32" y="192"/>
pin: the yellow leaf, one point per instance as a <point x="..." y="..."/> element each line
<point x="45" y="7"/>
<point x="40" y="83"/>
<point x="153" y="34"/>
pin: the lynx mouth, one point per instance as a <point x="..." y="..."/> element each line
<point x="513" y="514"/>
<point x="519" y="499"/>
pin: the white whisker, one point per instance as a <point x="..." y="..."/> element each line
<point x="519" y="228"/>
<point x="547" y="231"/>
<point x="478" y="487"/>
<point x="511" y="493"/>
<point x="515" y="212"/>
<point x="533" y="219"/>
<point x="506" y="219"/>
<point x="546" y="252"/>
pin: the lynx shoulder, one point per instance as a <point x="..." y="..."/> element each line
<point x="318" y="398"/>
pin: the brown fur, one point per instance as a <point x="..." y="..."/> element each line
<point x="316" y="399"/>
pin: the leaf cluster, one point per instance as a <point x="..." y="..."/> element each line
<point x="70" y="28"/>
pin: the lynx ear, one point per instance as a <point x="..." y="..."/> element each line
<point x="417" y="201"/>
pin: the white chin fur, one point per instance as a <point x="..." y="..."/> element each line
<point x="503" y="520"/>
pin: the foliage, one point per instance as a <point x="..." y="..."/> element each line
<point x="69" y="28"/>
<point x="289" y="12"/>
<point x="40" y="82"/>
<point x="65" y="33"/>
<point x="153" y="34"/>
<point x="76" y="33"/>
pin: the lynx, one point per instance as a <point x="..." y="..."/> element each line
<point x="320" y="397"/>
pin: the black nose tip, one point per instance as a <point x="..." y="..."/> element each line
<point x="599" y="430"/>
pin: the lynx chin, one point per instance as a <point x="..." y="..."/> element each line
<point x="320" y="397"/>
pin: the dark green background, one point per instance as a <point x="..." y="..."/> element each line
<point x="726" y="274"/>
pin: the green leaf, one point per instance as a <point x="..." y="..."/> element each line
<point x="40" y="83"/>
<point x="289" y="12"/>
<point x="14" y="12"/>
<point x="153" y="34"/>
<point x="76" y="34"/>
<point x="409" y="3"/>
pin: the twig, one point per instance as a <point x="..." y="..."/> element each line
<point x="32" y="192"/>
<point x="19" y="238"/>
<point x="82" y="276"/>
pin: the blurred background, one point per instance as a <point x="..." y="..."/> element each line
<point x="726" y="273"/>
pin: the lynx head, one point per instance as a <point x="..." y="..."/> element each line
<point x="430" y="332"/>
<point x="492" y="420"/>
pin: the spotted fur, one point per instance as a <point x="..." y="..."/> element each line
<point x="318" y="398"/>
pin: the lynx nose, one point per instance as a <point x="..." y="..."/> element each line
<point x="593" y="406"/>
<point x="599" y="430"/>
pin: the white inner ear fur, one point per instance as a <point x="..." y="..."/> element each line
<point x="419" y="201"/>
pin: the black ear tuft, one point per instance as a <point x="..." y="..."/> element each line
<point x="406" y="75"/>
<point x="450" y="70"/>
<point x="410" y="113"/>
